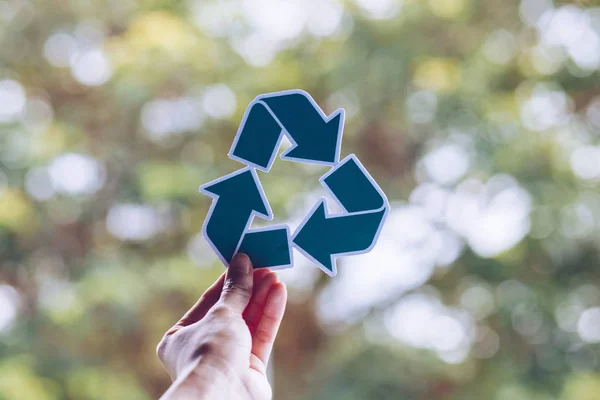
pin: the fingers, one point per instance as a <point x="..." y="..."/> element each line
<point x="204" y="303"/>
<point x="237" y="288"/>
<point x="262" y="286"/>
<point x="259" y="274"/>
<point x="268" y="324"/>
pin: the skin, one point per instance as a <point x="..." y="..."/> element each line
<point x="220" y="348"/>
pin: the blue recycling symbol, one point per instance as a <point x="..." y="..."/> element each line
<point x="239" y="197"/>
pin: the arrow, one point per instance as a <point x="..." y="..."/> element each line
<point x="323" y="237"/>
<point x="316" y="138"/>
<point x="237" y="198"/>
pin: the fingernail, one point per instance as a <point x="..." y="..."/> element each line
<point x="241" y="261"/>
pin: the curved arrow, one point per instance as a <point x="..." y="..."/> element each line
<point x="316" y="138"/>
<point x="237" y="199"/>
<point x="322" y="237"/>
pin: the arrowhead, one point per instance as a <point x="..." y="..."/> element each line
<point x="310" y="239"/>
<point x="322" y="146"/>
<point x="240" y="188"/>
<point x="323" y="238"/>
<point x="317" y="138"/>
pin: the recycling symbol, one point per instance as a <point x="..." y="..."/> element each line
<point x="239" y="197"/>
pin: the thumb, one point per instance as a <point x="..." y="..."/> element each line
<point x="237" y="288"/>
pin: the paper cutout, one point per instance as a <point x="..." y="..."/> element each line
<point x="239" y="196"/>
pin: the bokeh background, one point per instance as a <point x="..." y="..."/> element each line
<point x="479" y="119"/>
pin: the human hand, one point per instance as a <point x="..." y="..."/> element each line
<point x="220" y="348"/>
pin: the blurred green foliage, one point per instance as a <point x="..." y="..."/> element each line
<point x="112" y="113"/>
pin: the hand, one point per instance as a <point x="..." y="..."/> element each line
<point x="221" y="346"/>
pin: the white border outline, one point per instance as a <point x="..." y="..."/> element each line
<point x="269" y="216"/>
<point x="345" y="213"/>
<point x="325" y="118"/>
